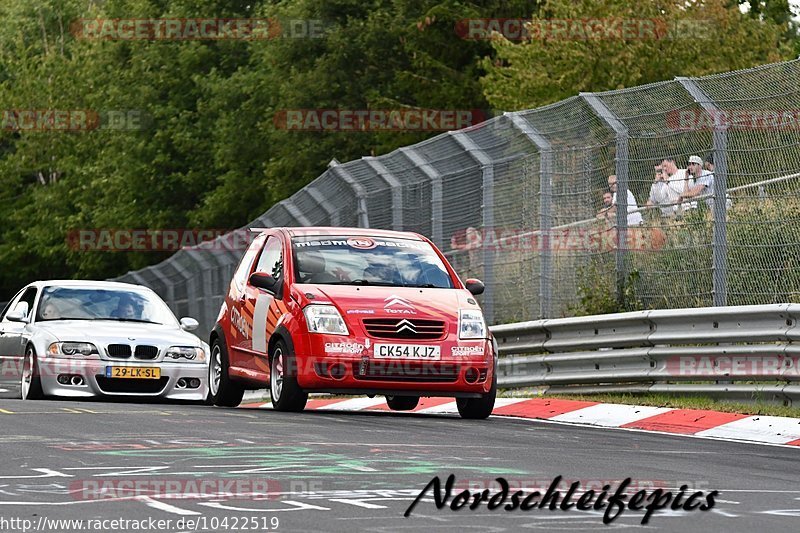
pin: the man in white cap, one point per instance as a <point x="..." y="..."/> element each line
<point x="703" y="183"/>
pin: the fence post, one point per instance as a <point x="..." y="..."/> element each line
<point x="719" y="247"/>
<point x="358" y="189"/>
<point x="436" y="191"/>
<point x="293" y="210"/>
<point x="545" y="219"/>
<point x="487" y="173"/>
<point x="397" y="190"/>
<point x="333" y="214"/>
<point x="621" y="169"/>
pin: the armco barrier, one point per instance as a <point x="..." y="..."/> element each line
<point x="738" y="352"/>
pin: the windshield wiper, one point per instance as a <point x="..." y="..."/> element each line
<point x="363" y="282"/>
<point x="119" y="319"/>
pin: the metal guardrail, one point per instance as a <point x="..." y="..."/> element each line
<point x="740" y="353"/>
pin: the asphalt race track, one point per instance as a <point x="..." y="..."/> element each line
<point x="319" y="471"/>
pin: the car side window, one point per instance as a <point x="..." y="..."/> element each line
<point x="271" y="259"/>
<point x="28" y="297"/>
<point x="243" y="270"/>
<point x="10" y="305"/>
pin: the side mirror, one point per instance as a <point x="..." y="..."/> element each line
<point x="475" y="286"/>
<point x="189" y="324"/>
<point x="262" y="280"/>
<point x="16" y="316"/>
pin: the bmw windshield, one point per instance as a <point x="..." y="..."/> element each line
<point x="87" y="303"/>
<point x="389" y="262"/>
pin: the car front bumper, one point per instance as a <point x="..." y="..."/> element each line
<point x="94" y="383"/>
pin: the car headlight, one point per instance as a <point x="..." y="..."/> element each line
<point x="324" y="319"/>
<point x="72" y="349"/>
<point x="190" y="353"/>
<point x="470" y="324"/>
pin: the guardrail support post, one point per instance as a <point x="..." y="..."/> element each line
<point x="397" y="190"/>
<point x="358" y="189"/>
<point x="436" y="192"/>
<point x="545" y="219"/>
<point x="720" y="228"/>
<point x="621" y="168"/>
<point x="487" y="172"/>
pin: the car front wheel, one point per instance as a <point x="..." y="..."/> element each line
<point x="30" y="383"/>
<point x="223" y="391"/>
<point x="402" y="403"/>
<point x="284" y="390"/>
<point x="478" y="408"/>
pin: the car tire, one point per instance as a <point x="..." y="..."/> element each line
<point x="478" y="408"/>
<point x="30" y="382"/>
<point x="222" y="390"/>
<point x="284" y="390"/>
<point x="402" y="403"/>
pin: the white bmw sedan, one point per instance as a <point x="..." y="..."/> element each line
<point x="100" y="338"/>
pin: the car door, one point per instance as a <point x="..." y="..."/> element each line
<point x="261" y="301"/>
<point x="241" y="321"/>
<point x="13" y="335"/>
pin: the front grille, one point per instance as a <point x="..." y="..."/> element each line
<point x="119" y="350"/>
<point x="406" y="371"/>
<point x="146" y="352"/>
<point x="404" y="328"/>
<point x="131" y="386"/>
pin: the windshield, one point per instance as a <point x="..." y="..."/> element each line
<point x="368" y="261"/>
<point x="86" y="303"/>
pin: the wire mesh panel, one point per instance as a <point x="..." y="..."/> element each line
<point x="526" y="201"/>
<point x="760" y="110"/>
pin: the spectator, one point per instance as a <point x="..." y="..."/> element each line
<point x="469" y="240"/>
<point x="662" y="195"/>
<point x="703" y="180"/>
<point x="634" y="216"/>
<point x="607" y="209"/>
<point x="678" y="180"/>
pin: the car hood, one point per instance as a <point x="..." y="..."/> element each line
<point x="389" y="301"/>
<point x="102" y="332"/>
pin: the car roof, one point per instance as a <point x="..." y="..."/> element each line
<point x="87" y="283"/>
<point x="331" y="231"/>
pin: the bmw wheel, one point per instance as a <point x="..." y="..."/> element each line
<point x="30" y="381"/>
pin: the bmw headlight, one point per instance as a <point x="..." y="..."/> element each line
<point x="471" y="325"/>
<point x="70" y="349"/>
<point x="324" y="319"/>
<point x="188" y="353"/>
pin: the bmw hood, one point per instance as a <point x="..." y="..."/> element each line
<point x="103" y="332"/>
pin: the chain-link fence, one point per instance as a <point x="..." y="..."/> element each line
<point x="519" y="202"/>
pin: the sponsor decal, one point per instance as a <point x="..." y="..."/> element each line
<point x="360" y="311"/>
<point x="343" y="347"/>
<point x="339" y="242"/>
<point x="240" y="323"/>
<point x="362" y="243"/>
<point x="466" y="350"/>
<point x="396" y="305"/>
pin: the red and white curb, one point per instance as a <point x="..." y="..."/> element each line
<point x="691" y="422"/>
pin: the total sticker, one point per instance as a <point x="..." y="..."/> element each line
<point x="466" y="350"/>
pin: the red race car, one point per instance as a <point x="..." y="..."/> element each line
<point x="351" y="311"/>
